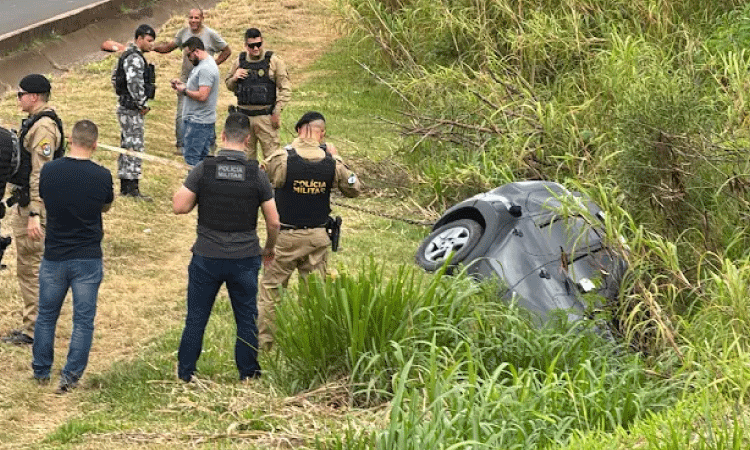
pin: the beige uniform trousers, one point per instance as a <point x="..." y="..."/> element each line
<point x="304" y="250"/>
<point x="263" y="132"/>
<point x="28" y="258"/>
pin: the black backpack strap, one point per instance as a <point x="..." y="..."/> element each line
<point x="60" y="150"/>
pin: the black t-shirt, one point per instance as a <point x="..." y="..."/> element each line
<point x="74" y="192"/>
<point x="228" y="244"/>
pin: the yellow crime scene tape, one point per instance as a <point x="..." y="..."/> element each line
<point x="146" y="156"/>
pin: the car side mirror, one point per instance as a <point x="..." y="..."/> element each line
<point x="515" y="211"/>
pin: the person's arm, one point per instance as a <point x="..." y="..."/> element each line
<point x="221" y="57"/>
<point x="346" y="180"/>
<point x="184" y="201"/>
<point x="273" y="225"/>
<point x="165" y="47"/>
<point x="275" y="168"/>
<point x="283" y="86"/>
<point x="200" y="95"/>
<point x="135" y="69"/>
<point x="112" y="46"/>
<point x="233" y="75"/>
<point x="110" y="189"/>
<point x="43" y="140"/>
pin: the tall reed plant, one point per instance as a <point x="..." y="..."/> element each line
<point x="348" y="327"/>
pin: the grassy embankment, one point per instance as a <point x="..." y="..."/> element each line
<point x="384" y="357"/>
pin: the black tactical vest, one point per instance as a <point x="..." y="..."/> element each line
<point x="120" y="81"/>
<point x="304" y="200"/>
<point x="257" y="88"/>
<point x="228" y="194"/>
<point x="21" y="177"/>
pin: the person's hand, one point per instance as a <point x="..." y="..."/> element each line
<point x="34" y="228"/>
<point x="112" y="46"/>
<point x="268" y="256"/>
<point x="145" y="110"/>
<point x="275" y="121"/>
<point x="240" y="74"/>
<point x="330" y="148"/>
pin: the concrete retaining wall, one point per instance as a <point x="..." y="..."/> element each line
<point x="67" y="23"/>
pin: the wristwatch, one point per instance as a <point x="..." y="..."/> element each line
<point x="33" y="213"/>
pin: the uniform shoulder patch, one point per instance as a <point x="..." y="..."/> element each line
<point x="45" y="147"/>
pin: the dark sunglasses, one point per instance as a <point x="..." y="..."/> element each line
<point x="21" y="94"/>
<point x="254" y="44"/>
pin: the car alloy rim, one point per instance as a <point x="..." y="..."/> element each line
<point x="452" y="239"/>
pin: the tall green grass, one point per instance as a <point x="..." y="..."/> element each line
<point x="355" y="325"/>
<point x="491" y="379"/>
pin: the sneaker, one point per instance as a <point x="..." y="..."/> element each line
<point x="65" y="386"/>
<point x="17" y="337"/>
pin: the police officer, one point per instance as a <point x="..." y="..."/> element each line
<point x="303" y="175"/>
<point x="261" y="83"/>
<point x="134" y="83"/>
<point x="228" y="190"/>
<point x="41" y="140"/>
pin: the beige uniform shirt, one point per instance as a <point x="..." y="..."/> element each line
<point x="345" y="179"/>
<point x="276" y="71"/>
<point x="41" y="141"/>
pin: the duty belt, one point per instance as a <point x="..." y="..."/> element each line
<point x="301" y="227"/>
<point x="252" y="112"/>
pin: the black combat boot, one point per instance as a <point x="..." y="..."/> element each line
<point x="135" y="192"/>
<point x="124" y="186"/>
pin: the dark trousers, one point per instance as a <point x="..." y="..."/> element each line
<point x="206" y="275"/>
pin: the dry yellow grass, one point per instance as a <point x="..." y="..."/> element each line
<point x="146" y="247"/>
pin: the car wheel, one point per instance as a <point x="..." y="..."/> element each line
<point x="459" y="237"/>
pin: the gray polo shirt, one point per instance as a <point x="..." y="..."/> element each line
<point x="228" y="244"/>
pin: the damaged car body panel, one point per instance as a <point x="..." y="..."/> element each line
<point x="545" y="254"/>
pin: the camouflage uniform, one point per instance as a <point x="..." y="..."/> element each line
<point x="305" y="250"/>
<point x="131" y="120"/>
<point x="41" y="141"/>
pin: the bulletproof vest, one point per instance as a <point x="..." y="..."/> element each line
<point x="257" y="88"/>
<point x="227" y="194"/>
<point x="120" y="81"/>
<point x="10" y="158"/>
<point x="21" y="176"/>
<point x="304" y="200"/>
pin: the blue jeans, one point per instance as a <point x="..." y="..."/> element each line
<point x="83" y="276"/>
<point x="198" y="138"/>
<point x="205" y="277"/>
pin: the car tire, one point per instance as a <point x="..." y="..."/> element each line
<point x="459" y="237"/>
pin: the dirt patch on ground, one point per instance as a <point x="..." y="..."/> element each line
<point x="144" y="287"/>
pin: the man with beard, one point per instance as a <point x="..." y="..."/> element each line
<point x="214" y="45"/>
<point x="201" y="92"/>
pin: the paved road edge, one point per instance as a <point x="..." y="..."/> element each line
<point x="65" y="23"/>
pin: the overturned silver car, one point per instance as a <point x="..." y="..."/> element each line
<point x="543" y="253"/>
